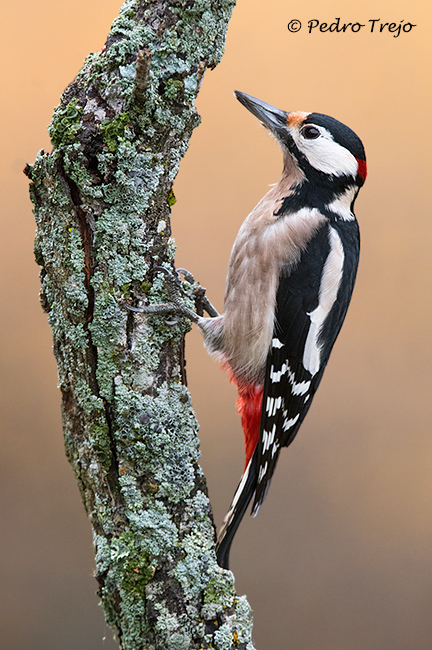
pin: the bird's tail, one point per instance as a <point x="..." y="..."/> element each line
<point x="240" y="502"/>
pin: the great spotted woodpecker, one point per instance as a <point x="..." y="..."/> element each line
<point x="290" y="278"/>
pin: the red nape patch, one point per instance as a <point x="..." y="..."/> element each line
<point x="362" y="169"/>
<point x="249" y="406"/>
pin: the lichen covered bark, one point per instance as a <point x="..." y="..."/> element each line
<point x="102" y="202"/>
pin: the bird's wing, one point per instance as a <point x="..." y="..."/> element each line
<point x="311" y="305"/>
<point x="288" y="385"/>
<point x="297" y="295"/>
<point x="309" y="316"/>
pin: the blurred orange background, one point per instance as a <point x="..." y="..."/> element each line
<point x="340" y="554"/>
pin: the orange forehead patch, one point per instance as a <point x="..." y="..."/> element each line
<point x="297" y="118"/>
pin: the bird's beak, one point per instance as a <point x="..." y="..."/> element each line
<point x="271" y="117"/>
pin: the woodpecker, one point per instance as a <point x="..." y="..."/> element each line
<point x="290" y="278"/>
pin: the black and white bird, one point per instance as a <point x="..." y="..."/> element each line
<point x="290" y="278"/>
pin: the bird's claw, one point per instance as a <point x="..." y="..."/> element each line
<point x="187" y="275"/>
<point x="175" y="304"/>
<point x="175" y="291"/>
<point x="202" y="303"/>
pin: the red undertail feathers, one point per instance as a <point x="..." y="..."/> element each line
<point x="249" y="406"/>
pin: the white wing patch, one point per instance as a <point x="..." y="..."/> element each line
<point x="275" y="448"/>
<point x="273" y="404"/>
<point x="329" y="287"/>
<point x="276" y="376"/>
<point x="288" y="424"/>
<point x="262" y="472"/>
<point x="268" y="438"/>
<point x="297" y="387"/>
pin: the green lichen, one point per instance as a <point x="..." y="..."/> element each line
<point x="66" y="123"/>
<point x="101" y="442"/>
<point x="137" y="572"/>
<point x="173" y="88"/>
<point x="224" y="637"/>
<point x="145" y="287"/>
<point x="125" y="564"/>
<point x="114" y="131"/>
<point x="243" y="622"/>
<point x="126" y="290"/>
<point x="172" y="637"/>
<point x="171" y="199"/>
<point x="220" y="589"/>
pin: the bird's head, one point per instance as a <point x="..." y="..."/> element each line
<point x="319" y="145"/>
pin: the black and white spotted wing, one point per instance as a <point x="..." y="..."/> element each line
<point x="311" y="305"/>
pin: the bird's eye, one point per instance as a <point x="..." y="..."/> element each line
<point x="310" y="132"/>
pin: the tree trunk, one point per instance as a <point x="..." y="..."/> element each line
<point x="102" y="205"/>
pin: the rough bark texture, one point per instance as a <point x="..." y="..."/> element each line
<point x="102" y="204"/>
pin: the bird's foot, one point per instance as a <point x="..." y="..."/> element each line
<point x="176" y="295"/>
<point x="175" y="306"/>
<point x="202" y="303"/>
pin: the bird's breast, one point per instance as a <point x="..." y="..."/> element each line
<point x="265" y="244"/>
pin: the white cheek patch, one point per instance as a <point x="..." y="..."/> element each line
<point x="326" y="155"/>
